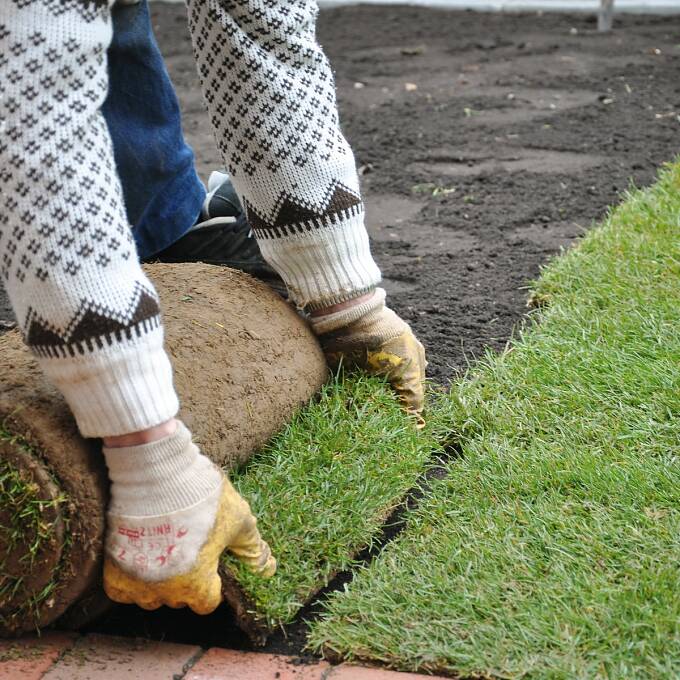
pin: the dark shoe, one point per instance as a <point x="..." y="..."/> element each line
<point x="223" y="236"/>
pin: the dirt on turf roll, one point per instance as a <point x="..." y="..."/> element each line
<point x="244" y="362"/>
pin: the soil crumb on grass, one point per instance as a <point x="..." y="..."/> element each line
<point x="551" y="550"/>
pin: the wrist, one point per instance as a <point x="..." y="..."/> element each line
<point x="147" y="436"/>
<point x="342" y="306"/>
<point x="364" y="309"/>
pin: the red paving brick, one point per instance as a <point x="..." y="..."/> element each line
<point x="63" y="656"/>
<point x="227" y="664"/>
<point x="29" y="658"/>
<point x="349" y="672"/>
<point x="100" y="657"/>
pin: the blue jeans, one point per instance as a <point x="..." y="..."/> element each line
<point x="163" y="194"/>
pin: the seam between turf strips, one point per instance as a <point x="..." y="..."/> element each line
<point x="365" y="432"/>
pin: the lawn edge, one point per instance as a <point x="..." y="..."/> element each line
<point x="551" y="295"/>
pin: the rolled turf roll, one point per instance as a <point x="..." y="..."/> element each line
<point x="244" y="362"/>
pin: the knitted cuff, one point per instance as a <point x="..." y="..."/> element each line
<point x="121" y="389"/>
<point x="325" y="266"/>
<point x="163" y="476"/>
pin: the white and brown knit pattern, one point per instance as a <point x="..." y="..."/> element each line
<point x="88" y="9"/>
<point x="66" y="252"/>
<point x="271" y="99"/>
<point x="67" y="257"/>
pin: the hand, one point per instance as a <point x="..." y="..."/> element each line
<point x="172" y="513"/>
<point x="199" y="587"/>
<point x="367" y="334"/>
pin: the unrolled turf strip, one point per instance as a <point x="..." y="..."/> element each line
<point x="322" y="491"/>
<point x="552" y="549"/>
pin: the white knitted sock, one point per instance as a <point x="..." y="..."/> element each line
<point x="164" y="500"/>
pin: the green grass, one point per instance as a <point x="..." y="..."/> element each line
<point x="553" y="548"/>
<point x="323" y="487"/>
<point x="25" y="529"/>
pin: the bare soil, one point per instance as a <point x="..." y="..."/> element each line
<point x="526" y="128"/>
<point x="486" y="142"/>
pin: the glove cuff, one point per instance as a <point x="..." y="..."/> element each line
<point x="161" y="477"/>
<point x="369" y="323"/>
<point x="328" y="323"/>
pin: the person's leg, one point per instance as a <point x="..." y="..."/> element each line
<point x="163" y="194"/>
<point x="172" y="218"/>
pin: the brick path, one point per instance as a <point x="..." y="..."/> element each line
<point x="64" y="656"/>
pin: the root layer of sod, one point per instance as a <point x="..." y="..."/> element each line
<point x="551" y="549"/>
<point x="322" y="491"/>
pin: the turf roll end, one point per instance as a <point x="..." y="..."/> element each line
<point x="53" y="492"/>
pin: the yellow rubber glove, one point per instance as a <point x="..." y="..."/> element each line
<point x="372" y="337"/>
<point x="172" y="515"/>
